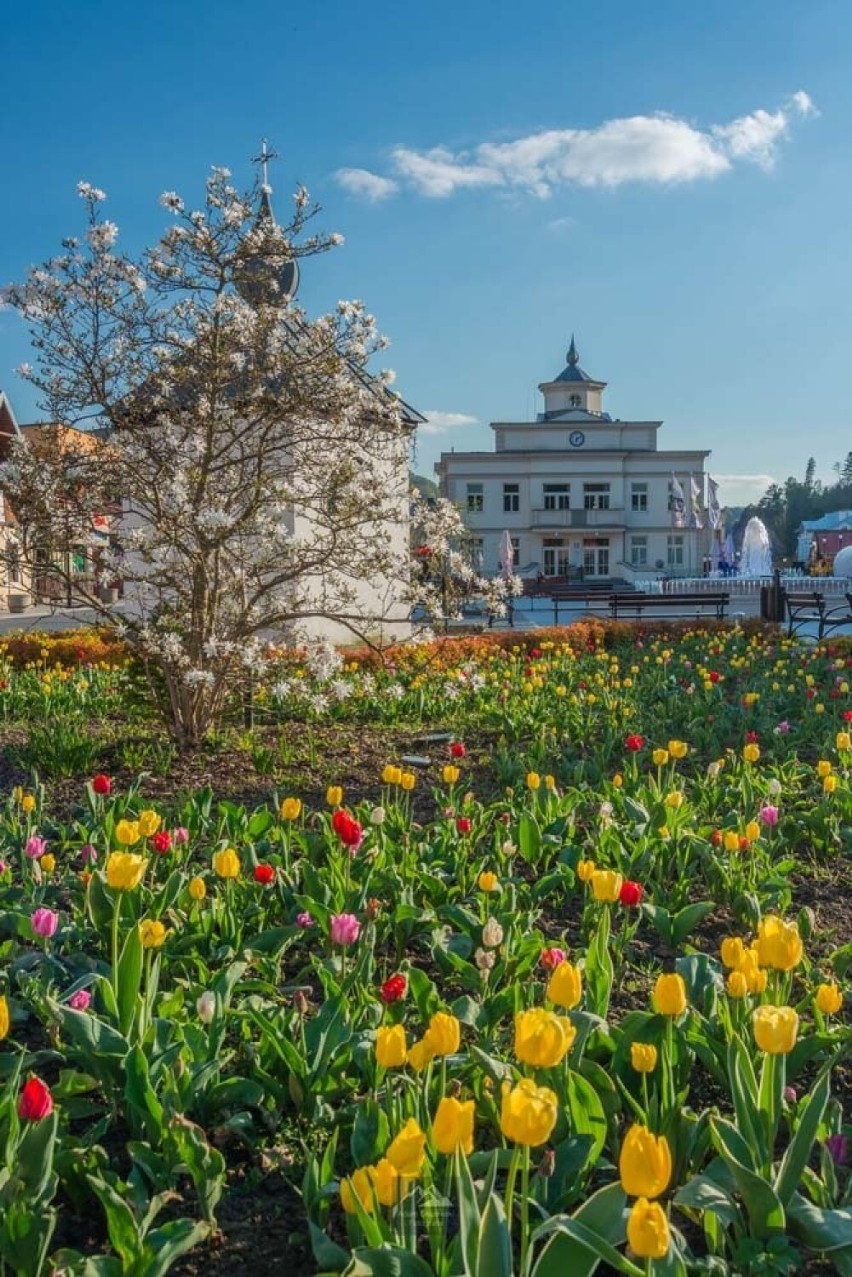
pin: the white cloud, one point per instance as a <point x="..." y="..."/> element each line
<point x="369" y="186"/>
<point x="658" y="149"/>
<point x="742" y="489"/>
<point x="439" y="422"/>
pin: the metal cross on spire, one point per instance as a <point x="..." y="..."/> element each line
<point x="263" y="160"/>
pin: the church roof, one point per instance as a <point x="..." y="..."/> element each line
<point x="573" y="414"/>
<point x="572" y="370"/>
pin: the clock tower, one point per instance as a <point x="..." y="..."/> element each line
<point x="573" y="395"/>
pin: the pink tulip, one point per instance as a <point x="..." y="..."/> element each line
<point x="88" y="854"/>
<point x="35" y="847"/>
<point x="304" y="920"/>
<point x="44" y="922"/>
<point x="768" y="815"/>
<point x="181" y="835"/>
<point x="345" y="929"/>
<point x="80" y="1000"/>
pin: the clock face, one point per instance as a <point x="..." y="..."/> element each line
<point x="576" y="438"/>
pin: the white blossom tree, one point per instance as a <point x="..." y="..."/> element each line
<point x="257" y="464"/>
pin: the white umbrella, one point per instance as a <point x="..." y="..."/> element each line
<point x="507" y="556"/>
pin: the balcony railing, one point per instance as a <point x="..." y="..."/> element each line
<point x="613" y="517"/>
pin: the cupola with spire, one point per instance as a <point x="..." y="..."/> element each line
<point x="267" y="272"/>
<point x="573" y="393"/>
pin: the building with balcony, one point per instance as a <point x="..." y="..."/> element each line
<point x="581" y="493"/>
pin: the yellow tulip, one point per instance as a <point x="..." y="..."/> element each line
<point x="779" y="944"/>
<point x="149" y="823"/>
<point x="48" y="863"/>
<point x="669" y="994"/>
<point x="197" y="888"/>
<point x="829" y="784"/>
<point x="606" y="885"/>
<point x="5" y="1018"/>
<point x="731" y="840"/>
<point x="736" y="984"/>
<point x="732" y="951"/>
<point x="752" y="831"/>
<point x="843" y="740"/>
<point x="290" y="809"/>
<point x="124" y="870"/>
<point x="751" y="752"/>
<point x="391" y="775"/>
<point x="617" y="780"/>
<point x="127" y="832"/>
<point x="775" y="1029"/>
<point x="585" y="870"/>
<point x="660" y="757"/>
<point x="152" y="933"/>
<point x="450" y="774"/>
<point x="334" y="795"/>
<point x="419" y="1055"/>
<point x="443" y="1037"/>
<point x="28" y="803"/>
<point x="528" y="1113"/>
<point x="674" y="800"/>
<point x="357" y="1185"/>
<point x="389" y="1185"/>
<point x="644" y="1163"/>
<point x="391" y="1051"/>
<point x="678" y="748"/>
<point x="643" y="1057"/>
<point x="828" y="998"/>
<point x="407" y="1152"/>
<point x="226" y="863"/>
<point x="452" y="1126"/>
<point x="542" y="1039"/>
<point x="648" y="1230"/>
<point x="533" y="781"/>
<point x="565" y="986"/>
<point x="823" y="767"/>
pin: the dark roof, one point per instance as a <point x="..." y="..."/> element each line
<point x="572" y="370"/>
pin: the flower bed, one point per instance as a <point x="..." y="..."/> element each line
<point x="558" y="1007"/>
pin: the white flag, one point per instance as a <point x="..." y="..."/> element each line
<point x="696" y="519"/>
<point x="678" y="504"/>
<point x="714" y="510"/>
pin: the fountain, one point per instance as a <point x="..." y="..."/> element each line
<point x="756" y="556"/>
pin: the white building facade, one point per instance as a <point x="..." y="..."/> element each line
<point x="581" y="494"/>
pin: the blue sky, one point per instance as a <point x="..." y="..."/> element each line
<point x="642" y="175"/>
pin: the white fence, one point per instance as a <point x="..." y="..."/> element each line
<point x="740" y="586"/>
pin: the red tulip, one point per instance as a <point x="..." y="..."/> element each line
<point x="716" y="837"/>
<point x="752" y="738"/>
<point x="463" y="824"/>
<point x="551" y="958"/>
<point x="101" y="784"/>
<point x="631" y="893"/>
<point x="634" y="743"/>
<point x="347" y="828"/>
<point x="264" y="874"/>
<point x="457" y="749"/>
<point x="35" y="1101"/>
<point x="393" y="989"/>
<point x="162" y="841"/>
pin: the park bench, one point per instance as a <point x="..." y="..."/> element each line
<point x="636" y="604"/>
<point x="809" y="607"/>
<point x="596" y="597"/>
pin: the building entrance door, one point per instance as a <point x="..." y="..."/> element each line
<point x="596" y="556"/>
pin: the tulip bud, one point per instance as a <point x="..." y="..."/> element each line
<point x="492" y="934"/>
<point x="300" y="1002"/>
<point x="806" y="921"/>
<point x="547" y="1165"/>
<point x="206" y="1007"/>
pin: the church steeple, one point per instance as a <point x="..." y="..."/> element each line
<point x="267" y="273"/>
<point x="572" y="357"/>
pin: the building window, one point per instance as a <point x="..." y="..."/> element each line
<point x="574" y="401"/>
<point x="516" y="549"/>
<point x="511" y="498"/>
<point x="556" y="557"/>
<point x="596" y="496"/>
<point x="639" y="496"/>
<point x="675" y="552"/>
<point x="639" y="552"/>
<point x="557" y="496"/>
<point x="473" y="547"/>
<point x="475" y="499"/>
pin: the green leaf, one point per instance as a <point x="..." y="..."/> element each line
<point x="744" y="1093"/>
<point x="494" y="1250"/>
<point x="687" y="919"/>
<point x="599" y="969"/>
<point x="765" y="1211"/>
<point x="529" y="837"/>
<point x="587" y="1112"/>
<point x="588" y="1243"/>
<point x="469" y="1213"/>
<point x="704" y="1194"/>
<point x="798" y="1151"/>
<point x="166" y="1244"/>
<point x="388" y="1261"/>
<point x="603" y="1215"/>
<point x="828" y="1230"/>
<point x="370" y="1133"/>
<point x="129" y="978"/>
